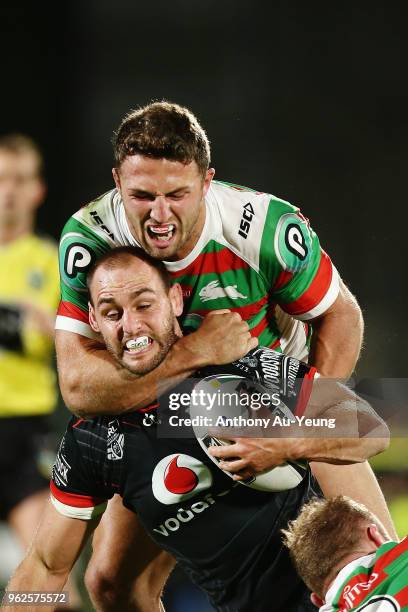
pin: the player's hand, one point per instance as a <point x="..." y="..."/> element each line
<point x="223" y="337"/>
<point x="246" y="457"/>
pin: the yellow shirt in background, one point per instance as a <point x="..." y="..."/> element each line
<point x="28" y="273"/>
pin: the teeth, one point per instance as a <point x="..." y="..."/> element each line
<point x="137" y="344"/>
<point x="161" y="229"/>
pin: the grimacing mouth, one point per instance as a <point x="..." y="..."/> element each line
<point x="162" y="232"/>
<point x="138" y="344"/>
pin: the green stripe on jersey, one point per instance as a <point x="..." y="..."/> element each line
<point x="289" y="245"/>
<point x="79" y="248"/>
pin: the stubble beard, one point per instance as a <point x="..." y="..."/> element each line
<point x="165" y="343"/>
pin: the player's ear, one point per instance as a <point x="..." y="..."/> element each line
<point x="176" y="299"/>
<point x="116" y="178"/>
<point x="375" y="536"/>
<point x="316" y="601"/>
<point x="207" y="179"/>
<point x="92" y="318"/>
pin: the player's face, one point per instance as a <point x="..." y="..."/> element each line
<point x="21" y="189"/>
<point x="135" y="314"/>
<point x="164" y="203"/>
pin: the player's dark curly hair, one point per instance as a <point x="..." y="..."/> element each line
<point x="162" y="129"/>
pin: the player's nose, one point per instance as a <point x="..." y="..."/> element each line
<point x="131" y="323"/>
<point x="160" y="210"/>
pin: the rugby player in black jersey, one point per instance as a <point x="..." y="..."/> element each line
<point x="226" y="536"/>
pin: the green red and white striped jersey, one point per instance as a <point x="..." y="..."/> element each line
<point x="374" y="583"/>
<point x="255" y="252"/>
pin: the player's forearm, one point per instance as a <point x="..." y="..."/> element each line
<point x="33" y="575"/>
<point x="339" y="451"/>
<point x="93" y="383"/>
<point x="337" y="338"/>
<point x="358" y="482"/>
<point x="348" y="432"/>
<point x="97" y="385"/>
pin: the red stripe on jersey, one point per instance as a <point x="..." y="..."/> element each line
<point x="67" y="309"/>
<point x="246" y="312"/>
<point x="284" y="277"/>
<point x="305" y="392"/>
<point x="316" y="291"/>
<point x="402" y="597"/>
<point x="78" y="422"/>
<point x="148" y="408"/>
<point x="392" y="554"/>
<point x="73" y="499"/>
<point x="221" y="261"/>
<point x="357" y="595"/>
<point x="258" y="329"/>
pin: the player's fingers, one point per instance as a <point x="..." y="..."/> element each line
<point x="243" y="475"/>
<point x="215" y="312"/>
<point x="233" y="466"/>
<point x="223" y="452"/>
<point x="253" y="343"/>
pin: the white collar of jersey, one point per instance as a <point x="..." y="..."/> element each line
<point x="122" y="220"/>
<point x="210" y="230"/>
<point x="341" y="577"/>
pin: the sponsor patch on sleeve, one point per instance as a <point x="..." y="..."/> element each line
<point x="77" y="254"/>
<point x="293" y="242"/>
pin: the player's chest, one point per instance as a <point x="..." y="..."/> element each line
<point x="222" y="280"/>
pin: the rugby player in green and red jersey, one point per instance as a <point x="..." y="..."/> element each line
<point x="346" y="557"/>
<point x="230" y="248"/>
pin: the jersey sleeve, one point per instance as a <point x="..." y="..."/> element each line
<point x="77" y="489"/>
<point x="78" y="250"/>
<point x="301" y="276"/>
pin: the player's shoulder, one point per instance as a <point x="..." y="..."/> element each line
<point x="89" y="218"/>
<point x="230" y="196"/>
<point x="88" y="234"/>
<point x="246" y="216"/>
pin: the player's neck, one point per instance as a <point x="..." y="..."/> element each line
<point x="11" y="232"/>
<point x="363" y="552"/>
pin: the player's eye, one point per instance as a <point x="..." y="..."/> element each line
<point x="144" y="306"/>
<point x="177" y="196"/>
<point x="112" y="315"/>
<point x="142" y="197"/>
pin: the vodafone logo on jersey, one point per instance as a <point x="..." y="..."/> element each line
<point x="178" y="477"/>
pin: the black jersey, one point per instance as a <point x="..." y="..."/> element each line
<point x="224" y="535"/>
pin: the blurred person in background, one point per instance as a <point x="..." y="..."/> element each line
<point x="29" y="294"/>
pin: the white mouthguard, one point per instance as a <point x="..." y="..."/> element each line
<point x="139" y="343"/>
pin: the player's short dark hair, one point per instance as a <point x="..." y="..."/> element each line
<point x="162" y="130"/>
<point x="20" y="143"/>
<point x="114" y="258"/>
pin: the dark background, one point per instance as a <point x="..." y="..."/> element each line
<point x="307" y="100"/>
